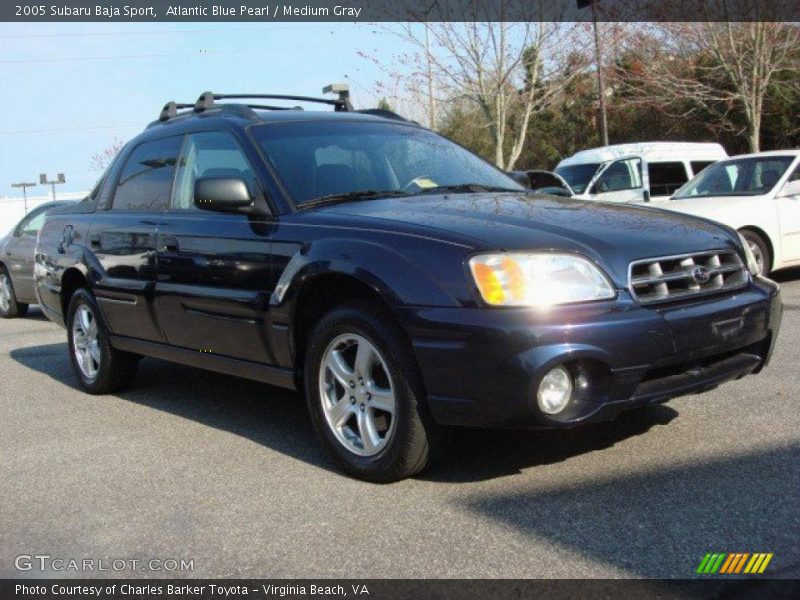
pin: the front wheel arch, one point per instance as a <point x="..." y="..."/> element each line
<point x="318" y="296"/>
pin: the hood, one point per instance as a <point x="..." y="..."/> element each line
<point x="710" y="206"/>
<point x="612" y="235"/>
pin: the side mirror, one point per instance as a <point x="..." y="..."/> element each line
<point x="222" y="194"/>
<point x="792" y="188"/>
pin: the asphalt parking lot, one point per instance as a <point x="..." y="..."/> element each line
<point x="228" y="473"/>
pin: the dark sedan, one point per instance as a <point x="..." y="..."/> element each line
<point x="17" y="251"/>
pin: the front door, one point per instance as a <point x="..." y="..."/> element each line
<point x="619" y="181"/>
<point x="19" y="254"/>
<point x="122" y="240"/>
<point x="788" y="207"/>
<point x="214" y="277"/>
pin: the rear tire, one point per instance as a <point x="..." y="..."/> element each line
<point x="369" y="412"/>
<point x="9" y="307"/>
<point x="760" y="250"/>
<point x="99" y="367"/>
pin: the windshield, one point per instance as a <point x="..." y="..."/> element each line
<point x="578" y="176"/>
<point x="738" y="177"/>
<point x="325" y="160"/>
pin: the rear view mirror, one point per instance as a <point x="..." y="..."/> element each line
<point x="792" y="188"/>
<point x="221" y="194"/>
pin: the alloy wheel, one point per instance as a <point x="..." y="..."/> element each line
<point x="5" y="292"/>
<point x="86" y="342"/>
<point x="758" y="255"/>
<point x="357" y="395"/>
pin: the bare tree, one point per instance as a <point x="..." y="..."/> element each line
<point x="724" y="69"/>
<point x="101" y="160"/>
<point x="508" y="70"/>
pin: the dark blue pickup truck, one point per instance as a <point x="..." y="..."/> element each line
<point x="404" y="284"/>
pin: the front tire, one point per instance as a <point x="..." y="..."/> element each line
<point x="99" y="367"/>
<point x="9" y="307"/>
<point x="366" y="397"/>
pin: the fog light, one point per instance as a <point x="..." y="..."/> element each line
<point x="555" y="391"/>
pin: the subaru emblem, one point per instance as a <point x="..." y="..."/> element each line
<point x="701" y="274"/>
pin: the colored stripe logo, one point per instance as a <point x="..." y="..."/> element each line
<point x="734" y="563"/>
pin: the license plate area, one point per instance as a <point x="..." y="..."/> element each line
<point x="716" y="326"/>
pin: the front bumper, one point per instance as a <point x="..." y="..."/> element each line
<point x="482" y="367"/>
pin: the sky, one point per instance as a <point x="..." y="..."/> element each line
<point x="70" y="89"/>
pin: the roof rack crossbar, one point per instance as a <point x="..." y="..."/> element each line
<point x="206" y="101"/>
<point x="271" y="107"/>
<point x="338" y="103"/>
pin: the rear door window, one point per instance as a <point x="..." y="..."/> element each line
<point x="666" y="177"/>
<point x="145" y="184"/>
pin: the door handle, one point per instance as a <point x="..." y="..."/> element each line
<point x="94" y="241"/>
<point x="66" y="239"/>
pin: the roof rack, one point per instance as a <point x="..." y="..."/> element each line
<point x="207" y="101"/>
<point x="342" y="103"/>
<point x="170" y="110"/>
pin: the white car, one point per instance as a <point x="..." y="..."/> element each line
<point x="756" y="194"/>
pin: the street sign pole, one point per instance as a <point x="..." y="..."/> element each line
<point x="24" y="186"/>
<point x="57" y="181"/>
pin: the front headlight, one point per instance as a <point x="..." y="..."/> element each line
<point x="752" y="263"/>
<point x="538" y="279"/>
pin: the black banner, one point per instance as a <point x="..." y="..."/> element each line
<point x="389" y="589"/>
<point x="399" y="10"/>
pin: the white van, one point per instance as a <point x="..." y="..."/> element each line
<point x="640" y="172"/>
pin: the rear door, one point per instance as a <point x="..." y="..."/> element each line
<point x="122" y="239"/>
<point x="214" y="279"/>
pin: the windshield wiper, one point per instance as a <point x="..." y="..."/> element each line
<point x="352" y="196"/>
<point x="468" y="188"/>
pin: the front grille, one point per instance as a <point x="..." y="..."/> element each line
<point x="686" y="276"/>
